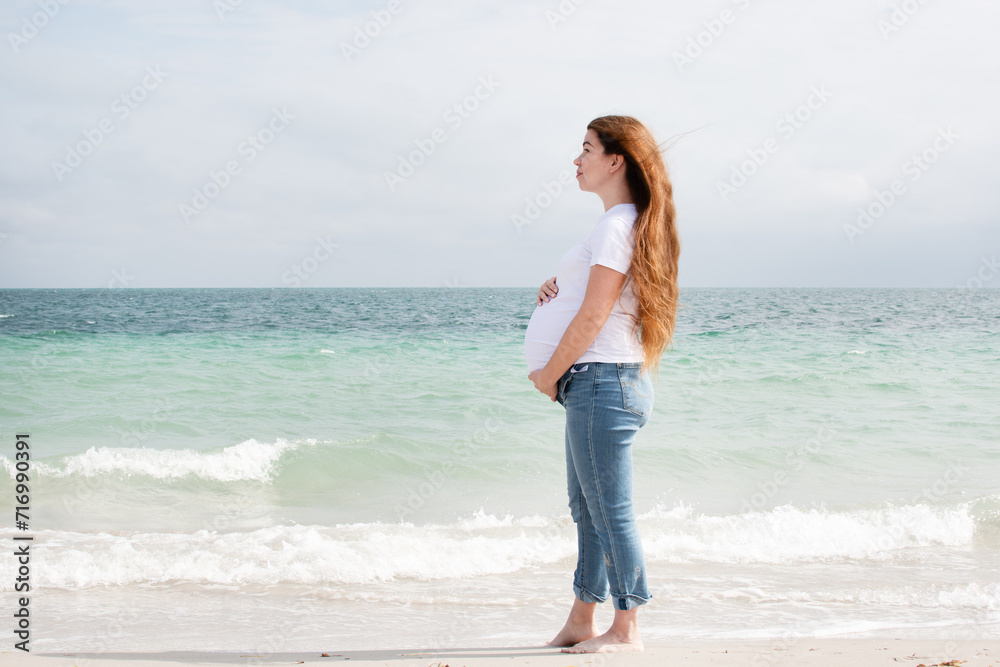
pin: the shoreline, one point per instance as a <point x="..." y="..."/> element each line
<point x="823" y="652"/>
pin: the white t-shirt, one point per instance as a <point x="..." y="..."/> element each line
<point x="609" y="244"/>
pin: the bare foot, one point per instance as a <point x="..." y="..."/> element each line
<point x="607" y="643"/>
<point x="574" y="633"/>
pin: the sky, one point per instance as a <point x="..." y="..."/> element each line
<point x="245" y="143"/>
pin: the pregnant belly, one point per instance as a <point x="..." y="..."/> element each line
<point x="545" y="329"/>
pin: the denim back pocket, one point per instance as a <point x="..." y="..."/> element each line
<point x="637" y="389"/>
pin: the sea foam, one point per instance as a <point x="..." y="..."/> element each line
<point x="249" y="460"/>
<point x="485" y="544"/>
<point x="789" y="534"/>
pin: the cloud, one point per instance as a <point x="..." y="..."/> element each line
<point x="370" y="84"/>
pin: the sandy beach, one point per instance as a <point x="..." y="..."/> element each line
<point x="793" y="651"/>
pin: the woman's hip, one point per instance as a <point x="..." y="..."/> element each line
<point x="602" y="393"/>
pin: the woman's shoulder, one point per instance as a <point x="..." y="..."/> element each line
<point x="621" y="214"/>
<point x="616" y="221"/>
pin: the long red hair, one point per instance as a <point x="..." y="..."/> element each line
<point x="653" y="271"/>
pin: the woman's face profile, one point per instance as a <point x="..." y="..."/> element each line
<point x="593" y="165"/>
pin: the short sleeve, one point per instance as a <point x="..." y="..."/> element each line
<point x="611" y="244"/>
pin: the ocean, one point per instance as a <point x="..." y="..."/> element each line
<point x="300" y="469"/>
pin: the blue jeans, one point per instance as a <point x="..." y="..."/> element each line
<point x="606" y="404"/>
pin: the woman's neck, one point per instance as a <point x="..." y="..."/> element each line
<point x="616" y="194"/>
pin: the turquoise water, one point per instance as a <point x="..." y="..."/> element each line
<point x="818" y="462"/>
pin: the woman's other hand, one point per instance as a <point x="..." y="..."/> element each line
<point x="547" y="291"/>
<point x="547" y="387"/>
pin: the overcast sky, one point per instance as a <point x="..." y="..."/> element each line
<point x="229" y="143"/>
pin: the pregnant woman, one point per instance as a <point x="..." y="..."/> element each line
<point x="599" y="326"/>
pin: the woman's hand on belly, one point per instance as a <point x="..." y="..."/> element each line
<point x="547" y="291"/>
<point x="543" y="384"/>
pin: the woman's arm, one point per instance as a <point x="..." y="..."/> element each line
<point x="603" y="287"/>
